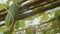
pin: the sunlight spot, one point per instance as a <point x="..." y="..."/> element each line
<point x="36" y="21"/>
<point x="3" y="1"/>
<point x="10" y="3"/>
<point x="1" y="32"/>
<point x="27" y="11"/>
<point x="2" y="22"/>
<point x="25" y="2"/>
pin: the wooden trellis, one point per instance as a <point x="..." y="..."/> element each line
<point x="35" y="6"/>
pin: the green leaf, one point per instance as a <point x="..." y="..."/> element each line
<point x="2" y="29"/>
<point x="44" y="17"/>
<point x="30" y="30"/>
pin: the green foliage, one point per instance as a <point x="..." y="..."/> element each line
<point x="49" y="32"/>
<point x="29" y="30"/>
<point x="44" y="17"/>
<point x="20" y="23"/>
<point x="2" y="29"/>
<point x="4" y="5"/>
<point x="56" y="22"/>
<point x="12" y="24"/>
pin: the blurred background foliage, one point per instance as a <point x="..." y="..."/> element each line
<point x="37" y="24"/>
